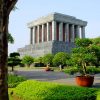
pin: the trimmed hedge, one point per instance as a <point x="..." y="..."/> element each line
<point x="93" y="70"/>
<point x="98" y="95"/>
<point x="14" y="80"/>
<point x="90" y="70"/>
<point x="35" y="90"/>
<point x="71" y="70"/>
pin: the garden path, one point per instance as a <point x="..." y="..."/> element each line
<point x="52" y="76"/>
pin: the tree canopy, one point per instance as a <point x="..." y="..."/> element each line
<point x="86" y="53"/>
<point x="14" y="60"/>
<point x="10" y="38"/>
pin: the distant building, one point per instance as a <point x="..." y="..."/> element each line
<point x="53" y="33"/>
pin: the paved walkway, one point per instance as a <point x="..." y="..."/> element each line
<point x="51" y="76"/>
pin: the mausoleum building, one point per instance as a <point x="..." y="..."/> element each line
<point x="53" y="33"/>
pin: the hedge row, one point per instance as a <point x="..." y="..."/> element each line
<point x="35" y="90"/>
<point x="90" y="70"/>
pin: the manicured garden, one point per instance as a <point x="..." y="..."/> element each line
<point x="84" y="59"/>
<point x="35" y="90"/>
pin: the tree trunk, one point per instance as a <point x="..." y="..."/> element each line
<point x="12" y="68"/>
<point x="84" y="68"/>
<point x="3" y="54"/>
<point x="5" y="8"/>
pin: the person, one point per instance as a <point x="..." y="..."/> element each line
<point x="60" y="66"/>
<point x="48" y="65"/>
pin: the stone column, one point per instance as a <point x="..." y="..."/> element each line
<point x="34" y="35"/>
<point x="31" y="35"/>
<point x="53" y="30"/>
<point x="77" y="32"/>
<point x="61" y="32"/>
<point x="67" y="32"/>
<point x="48" y="31"/>
<point x="38" y="34"/>
<point x="83" y="32"/>
<point x="42" y="32"/>
<point x="72" y="33"/>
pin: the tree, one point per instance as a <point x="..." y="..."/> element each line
<point x="96" y="41"/>
<point x="5" y="8"/>
<point x="27" y="60"/>
<point x="10" y="38"/>
<point x="83" y="42"/>
<point x="38" y="59"/>
<point x="47" y="59"/>
<point x="14" y="60"/>
<point x="95" y="49"/>
<point x="82" y="55"/>
<point x="60" y="58"/>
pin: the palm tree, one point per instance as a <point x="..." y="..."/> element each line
<point x="5" y="8"/>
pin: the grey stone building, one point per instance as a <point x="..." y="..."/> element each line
<point x="53" y="33"/>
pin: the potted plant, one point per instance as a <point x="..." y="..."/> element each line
<point x="83" y="56"/>
<point x="84" y="79"/>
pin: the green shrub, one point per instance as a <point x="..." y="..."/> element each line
<point x="38" y="59"/>
<point x="70" y="62"/>
<point x="98" y="95"/>
<point x="71" y="70"/>
<point x="60" y="58"/>
<point x="35" y="90"/>
<point x="27" y="60"/>
<point x="84" y="42"/>
<point x="14" y="80"/>
<point x="90" y="70"/>
<point x="93" y="70"/>
<point x="47" y="58"/>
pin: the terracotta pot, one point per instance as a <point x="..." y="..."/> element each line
<point x="85" y="81"/>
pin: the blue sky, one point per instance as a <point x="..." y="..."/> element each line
<point x="29" y="10"/>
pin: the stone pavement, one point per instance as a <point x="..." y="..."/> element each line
<point x="57" y="77"/>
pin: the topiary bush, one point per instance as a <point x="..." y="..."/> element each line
<point x="60" y="58"/>
<point x="14" y="60"/>
<point x="47" y="59"/>
<point x="83" y="55"/>
<point x="71" y="70"/>
<point x="14" y="80"/>
<point x="35" y="90"/>
<point x="27" y="60"/>
<point x="98" y="95"/>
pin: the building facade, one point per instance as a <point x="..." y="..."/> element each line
<point x="53" y="33"/>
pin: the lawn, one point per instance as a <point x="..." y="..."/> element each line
<point x="36" y="90"/>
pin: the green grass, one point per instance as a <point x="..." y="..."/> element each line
<point x="9" y="92"/>
<point x="35" y="90"/>
<point x="98" y="95"/>
<point x="14" y="80"/>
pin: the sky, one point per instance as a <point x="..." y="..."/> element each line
<point x="29" y="10"/>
